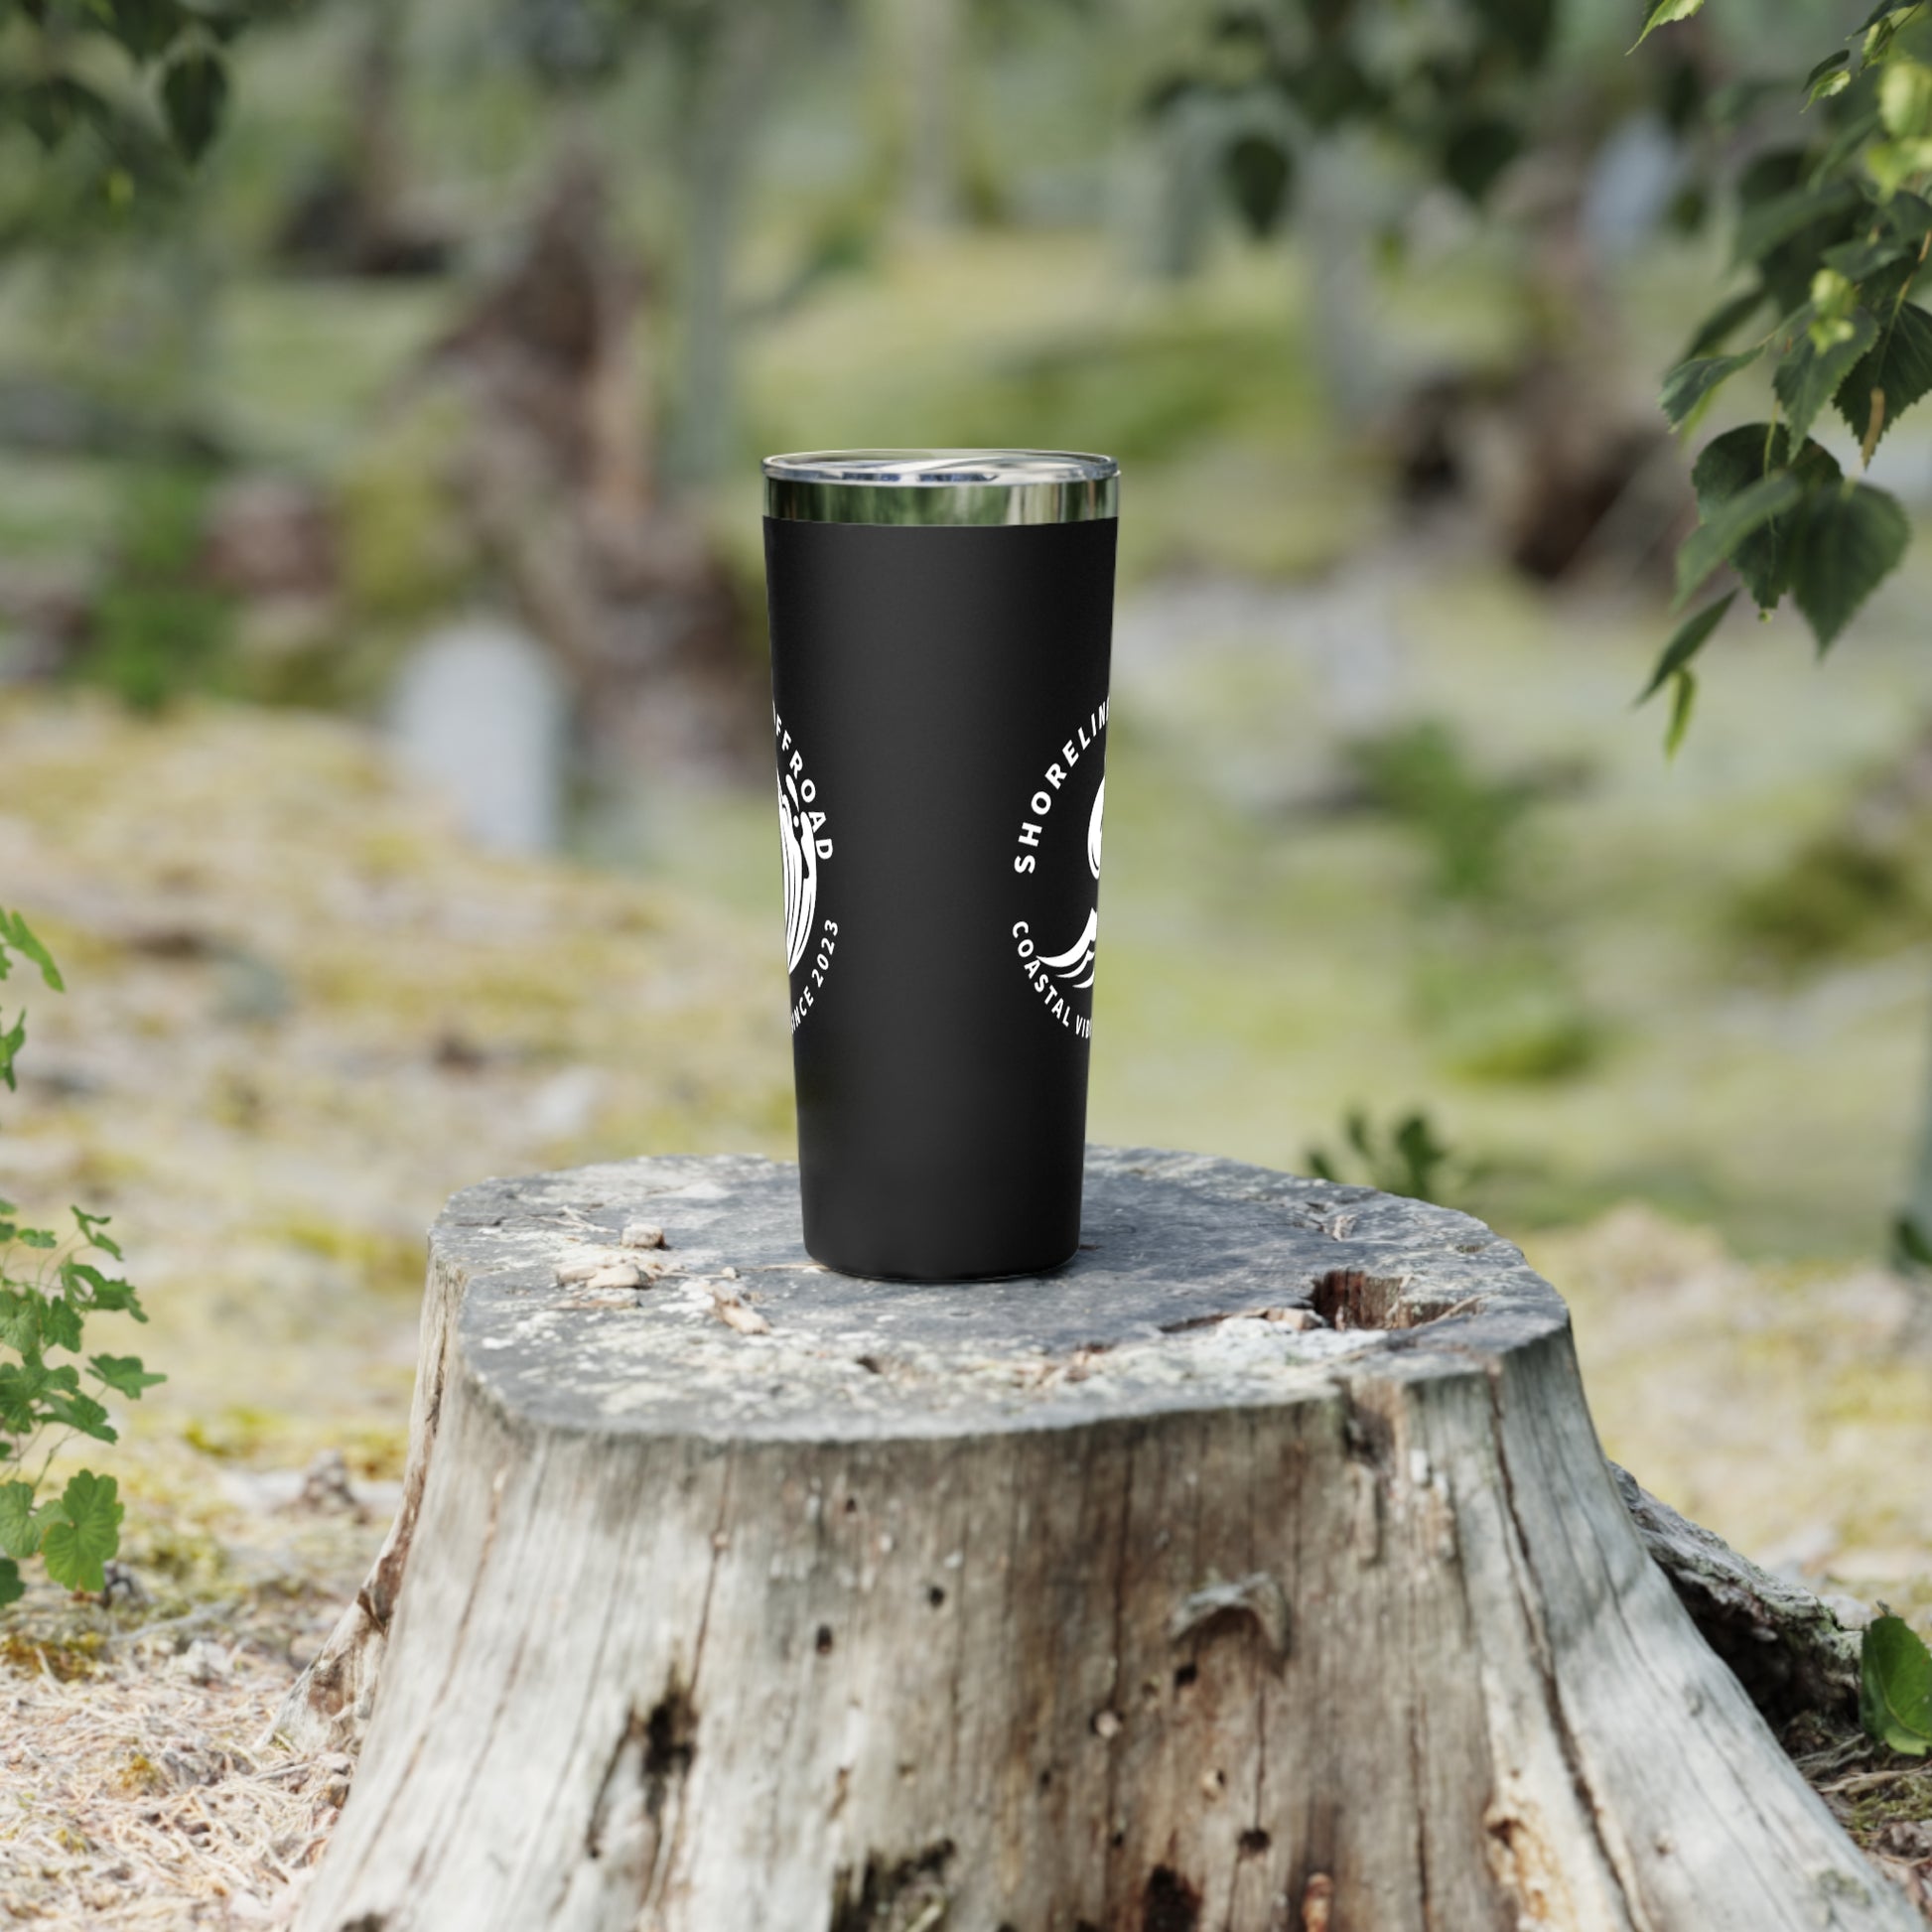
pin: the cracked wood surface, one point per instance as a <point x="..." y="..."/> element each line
<point x="1118" y="1600"/>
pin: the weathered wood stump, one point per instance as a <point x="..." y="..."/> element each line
<point x="1261" y="1569"/>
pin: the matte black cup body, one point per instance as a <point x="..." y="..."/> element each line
<point x="940" y="720"/>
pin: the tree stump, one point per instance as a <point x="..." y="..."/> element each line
<point x="1260" y="1570"/>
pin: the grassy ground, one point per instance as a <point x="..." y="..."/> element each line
<point x="303" y="1011"/>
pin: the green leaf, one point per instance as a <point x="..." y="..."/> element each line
<point x="20" y="1321"/>
<point x="89" y="1286"/>
<point x="1662" y="14"/>
<point x="1892" y="164"/>
<point x="146" y="28"/>
<point x="1719" y="325"/>
<point x="82" y="1531"/>
<point x="1736" y="519"/>
<point x="1895" y="1686"/>
<point x="1690" y="637"/>
<point x="1856" y="260"/>
<point x="52" y="109"/>
<point x="60" y="1326"/>
<point x="1830" y="76"/>
<point x="194" y="93"/>
<point x="1525" y="26"/>
<point x="1897" y="369"/>
<point x="1691" y="383"/>
<point x="1259" y="172"/>
<point x="1331" y="88"/>
<point x="20" y="1534"/>
<point x="1843" y="546"/>
<point x="91" y="1226"/>
<point x="1808" y="377"/>
<point x="1905" y="99"/>
<point x="21" y="1386"/>
<point x="124" y="1374"/>
<point x="12" y="1590"/>
<point x="1477" y="154"/>
<point x="1907" y="217"/>
<point x="1734" y="462"/>
<point x="1885" y="10"/>
<point x="82" y="1414"/>
<point x="17" y="935"/>
<point x="1683" y="701"/>
<point x="36" y="1238"/>
<point x="1766" y="224"/>
<point x="1911" y="1248"/>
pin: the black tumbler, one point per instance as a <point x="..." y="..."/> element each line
<point x="940" y="632"/>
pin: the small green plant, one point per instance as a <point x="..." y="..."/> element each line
<point x="1422" y="776"/>
<point x="49" y="1287"/>
<point x="1895" y="1686"/>
<point x="160" y="630"/>
<point x="1408" y="1159"/>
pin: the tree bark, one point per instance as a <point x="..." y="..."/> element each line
<point x="1260" y="1570"/>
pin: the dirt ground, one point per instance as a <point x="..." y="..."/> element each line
<point x="301" y="1012"/>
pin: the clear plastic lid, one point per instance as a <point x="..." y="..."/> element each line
<point x="938" y="486"/>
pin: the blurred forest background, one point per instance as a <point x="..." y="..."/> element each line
<point x="383" y="703"/>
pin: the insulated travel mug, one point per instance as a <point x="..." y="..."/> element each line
<point x="940" y="632"/>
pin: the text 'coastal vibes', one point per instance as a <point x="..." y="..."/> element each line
<point x="801" y="834"/>
<point x="1056" y="975"/>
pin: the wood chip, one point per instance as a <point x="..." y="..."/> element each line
<point x="622" y="1273"/>
<point x="584" y="1267"/>
<point x="735" y="1315"/>
<point x="607" y="1268"/>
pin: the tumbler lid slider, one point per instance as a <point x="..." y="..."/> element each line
<point x="940" y="486"/>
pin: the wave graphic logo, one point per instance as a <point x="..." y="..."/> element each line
<point x="801" y="872"/>
<point x="803" y="849"/>
<point x="1075" y="965"/>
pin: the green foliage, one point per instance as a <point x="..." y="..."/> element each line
<point x="79" y="1530"/>
<point x="193" y="97"/>
<point x="1495" y="995"/>
<point x="1895" y="373"/>
<point x="1663" y="12"/>
<point x="1260" y="174"/>
<point x="1420" y="774"/>
<point x="1811" y="373"/>
<point x="1683" y="701"/>
<point x="1844" y="544"/>
<point x="121" y="97"/>
<point x="1895" y="1687"/>
<point x="1691" y="384"/>
<point x="1838" y="894"/>
<point x="1835" y="234"/>
<point x="1690" y="637"/>
<point x="160" y="629"/>
<point x="1729" y="524"/>
<point x="1407" y="1158"/>
<point x="1459" y="94"/>
<point x="50" y="1289"/>
<point x="1504" y="1008"/>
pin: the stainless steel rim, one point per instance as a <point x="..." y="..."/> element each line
<point x="941" y="487"/>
